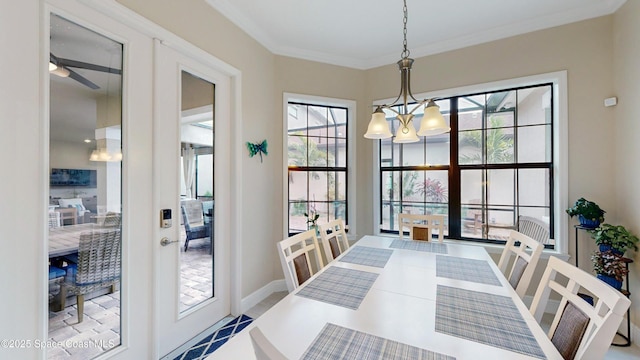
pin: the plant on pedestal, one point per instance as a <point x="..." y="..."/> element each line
<point x="589" y="213"/>
<point x="614" y="237"/>
<point x="610" y="268"/>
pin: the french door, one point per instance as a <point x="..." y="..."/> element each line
<point x="191" y="195"/>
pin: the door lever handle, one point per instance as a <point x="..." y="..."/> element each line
<point x="165" y="241"/>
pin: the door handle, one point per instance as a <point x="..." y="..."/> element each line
<point x="165" y="241"/>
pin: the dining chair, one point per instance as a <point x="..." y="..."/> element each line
<point x="334" y="238"/>
<point x="579" y="330"/>
<point x="98" y="266"/>
<point x="520" y="270"/>
<point x="421" y="226"/>
<point x="296" y="257"/>
<point x="194" y="225"/>
<point x="263" y="348"/>
<point x="112" y="219"/>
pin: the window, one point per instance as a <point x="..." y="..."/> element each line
<point x="317" y="159"/>
<point x="496" y="164"/>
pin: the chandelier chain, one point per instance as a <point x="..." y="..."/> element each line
<point x="405" y="52"/>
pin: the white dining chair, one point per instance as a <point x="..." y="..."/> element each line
<point x="263" y="348"/>
<point x="579" y="330"/>
<point x="421" y="226"/>
<point x="334" y="238"/>
<point x="300" y="258"/>
<point x="525" y="256"/>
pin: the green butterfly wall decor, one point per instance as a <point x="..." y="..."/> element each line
<point x="257" y="148"/>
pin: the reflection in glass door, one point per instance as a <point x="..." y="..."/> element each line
<point x="85" y="197"/>
<point x="197" y="202"/>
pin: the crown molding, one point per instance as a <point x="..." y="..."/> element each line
<point x="227" y="9"/>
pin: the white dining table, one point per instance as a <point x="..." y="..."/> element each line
<point x="401" y="306"/>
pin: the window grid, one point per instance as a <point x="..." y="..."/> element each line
<point x="317" y="151"/>
<point x="498" y="133"/>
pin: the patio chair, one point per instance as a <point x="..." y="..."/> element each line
<point x="579" y="329"/>
<point x="334" y="238"/>
<point x="99" y="258"/>
<point x="55" y="220"/>
<point x="295" y="256"/>
<point x="530" y="226"/>
<point x="421" y="226"/>
<point x="194" y="225"/>
<point x="112" y="219"/>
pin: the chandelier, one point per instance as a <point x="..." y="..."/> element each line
<point x="432" y="121"/>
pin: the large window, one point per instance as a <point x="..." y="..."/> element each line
<point x="495" y="166"/>
<point x="317" y="143"/>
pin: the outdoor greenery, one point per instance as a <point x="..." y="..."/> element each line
<point x="433" y="190"/>
<point x="609" y="264"/>
<point x="589" y="209"/>
<point x="499" y="146"/>
<point x="617" y="236"/>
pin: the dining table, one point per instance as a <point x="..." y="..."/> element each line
<point x="386" y="298"/>
<point x="64" y="240"/>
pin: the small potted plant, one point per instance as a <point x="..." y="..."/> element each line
<point x="610" y="268"/>
<point x="590" y="215"/>
<point x="615" y="238"/>
<point x="312" y="219"/>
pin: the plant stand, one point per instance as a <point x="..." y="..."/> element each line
<point x="625" y="291"/>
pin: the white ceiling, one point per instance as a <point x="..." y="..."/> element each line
<point x="368" y="33"/>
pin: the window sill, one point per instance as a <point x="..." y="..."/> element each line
<point x="496" y="248"/>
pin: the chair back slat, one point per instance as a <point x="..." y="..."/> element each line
<point x="334" y="238"/>
<point x="432" y="222"/>
<point x="300" y="258"/>
<point x="525" y="252"/>
<point x="604" y="316"/>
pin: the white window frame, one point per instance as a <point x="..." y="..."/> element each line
<point x="350" y="105"/>
<point x="560" y="154"/>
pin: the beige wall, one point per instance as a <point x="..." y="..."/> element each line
<point x="626" y="124"/>
<point x="198" y="23"/>
<point x="584" y="49"/>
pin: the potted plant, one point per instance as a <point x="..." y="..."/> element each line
<point x="590" y="215"/>
<point x="610" y="268"/>
<point x="614" y="237"/>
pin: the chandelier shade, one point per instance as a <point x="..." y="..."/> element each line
<point x="432" y="123"/>
<point x="378" y="126"/>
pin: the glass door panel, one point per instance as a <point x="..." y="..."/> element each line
<point x="197" y="202"/>
<point x="85" y="192"/>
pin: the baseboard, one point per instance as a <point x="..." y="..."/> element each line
<point x="257" y="296"/>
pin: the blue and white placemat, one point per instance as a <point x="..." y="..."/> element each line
<point x="364" y="255"/>
<point x="485" y="318"/>
<point x="337" y="342"/>
<point x="340" y="286"/>
<point x="478" y="271"/>
<point x="427" y="246"/>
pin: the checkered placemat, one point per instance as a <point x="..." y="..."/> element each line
<point x="478" y="271"/>
<point x="340" y="286"/>
<point x="337" y="342"/>
<point x="485" y="318"/>
<point x="363" y="255"/>
<point x="427" y="246"/>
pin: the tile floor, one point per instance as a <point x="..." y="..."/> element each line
<point x="101" y="322"/>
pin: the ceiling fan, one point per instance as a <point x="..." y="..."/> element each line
<point x="61" y="67"/>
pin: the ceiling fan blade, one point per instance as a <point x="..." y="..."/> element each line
<point x="83" y="65"/>
<point x="53" y="59"/>
<point x="81" y="79"/>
